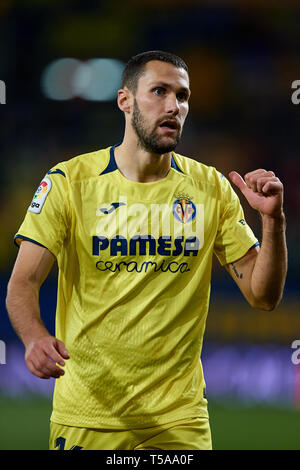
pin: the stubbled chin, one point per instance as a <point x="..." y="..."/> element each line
<point x="164" y="134"/>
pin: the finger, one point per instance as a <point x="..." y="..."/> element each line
<point x="51" y="369"/>
<point x="36" y="371"/>
<point x="272" y="187"/>
<point x="255" y="172"/>
<point x="261" y="182"/>
<point x="61" y="348"/>
<point x="238" y="180"/>
<point x="251" y="179"/>
<point x="45" y="365"/>
<point x="51" y="351"/>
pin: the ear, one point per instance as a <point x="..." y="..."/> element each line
<point x="125" y="100"/>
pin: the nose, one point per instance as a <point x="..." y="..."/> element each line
<point x="172" y="105"/>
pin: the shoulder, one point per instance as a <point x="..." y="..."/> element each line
<point x="207" y="178"/>
<point x="199" y="172"/>
<point x="82" y="166"/>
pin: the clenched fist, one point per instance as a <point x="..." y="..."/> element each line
<point x="263" y="190"/>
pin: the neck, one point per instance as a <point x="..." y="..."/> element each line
<point x="139" y="165"/>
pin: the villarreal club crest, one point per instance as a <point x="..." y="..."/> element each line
<point x="184" y="209"/>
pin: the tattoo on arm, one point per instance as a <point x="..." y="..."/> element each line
<point x="238" y="275"/>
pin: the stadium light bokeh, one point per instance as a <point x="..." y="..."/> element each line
<point x="97" y="79"/>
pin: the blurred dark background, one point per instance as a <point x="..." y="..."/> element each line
<point x="242" y="59"/>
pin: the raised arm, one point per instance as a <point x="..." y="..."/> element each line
<point x="42" y="350"/>
<point x="261" y="273"/>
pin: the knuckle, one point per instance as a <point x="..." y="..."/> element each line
<point x="36" y="349"/>
<point x="46" y="342"/>
<point x="30" y="366"/>
<point x="39" y="364"/>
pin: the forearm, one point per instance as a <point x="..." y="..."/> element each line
<point x="44" y="353"/>
<point x="270" y="268"/>
<point x="22" y="303"/>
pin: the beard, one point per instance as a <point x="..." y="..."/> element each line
<point x="149" y="140"/>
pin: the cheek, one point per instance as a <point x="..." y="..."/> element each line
<point x="184" y="113"/>
<point x="185" y="110"/>
<point x="144" y="103"/>
<point x="148" y="111"/>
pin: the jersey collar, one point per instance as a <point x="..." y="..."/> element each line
<point x="112" y="165"/>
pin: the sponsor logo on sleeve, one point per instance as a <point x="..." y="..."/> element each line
<point x="40" y="196"/>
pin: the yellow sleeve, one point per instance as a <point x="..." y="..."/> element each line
<point x="47" y="219"/>
<point x="234" y="237"/>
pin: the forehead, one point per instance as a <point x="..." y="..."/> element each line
<point x="158" y="71"/>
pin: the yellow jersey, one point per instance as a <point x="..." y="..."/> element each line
<point x="134" y="278"/>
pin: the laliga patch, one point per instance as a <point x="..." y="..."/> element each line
<point x="40" y="196"/>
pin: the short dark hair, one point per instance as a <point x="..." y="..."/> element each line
<point x="136" y="65"/>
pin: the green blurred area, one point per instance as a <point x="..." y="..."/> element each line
<point x="24" y="425"/>
<point x="240" y="427"/>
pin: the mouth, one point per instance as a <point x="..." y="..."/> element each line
<point x="169" y="125"/>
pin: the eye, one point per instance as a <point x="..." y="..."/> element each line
<point x="182" y="96"/>
<point x="159" y="90"/>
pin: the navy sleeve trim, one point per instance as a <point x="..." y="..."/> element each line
<point x="253" y="246"/>
<point x="28" y="240"/>
<point x="60" y="172"/>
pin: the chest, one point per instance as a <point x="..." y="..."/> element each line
<point x="168" y="221"/>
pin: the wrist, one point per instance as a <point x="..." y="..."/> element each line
<point x="36" y="332"/>
<point x="274" y="223"/>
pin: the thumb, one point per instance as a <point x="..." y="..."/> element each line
<point x="61" y="348"/>
<point x="238" y="180"/>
